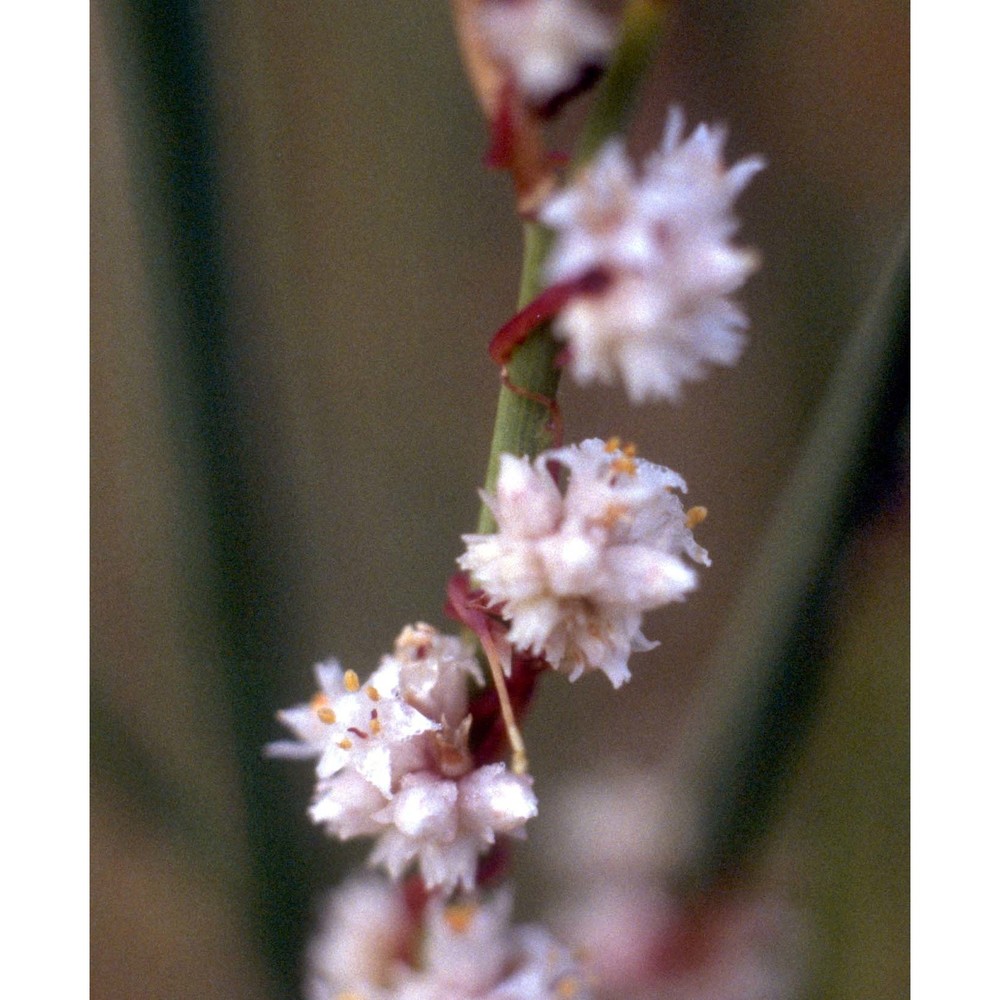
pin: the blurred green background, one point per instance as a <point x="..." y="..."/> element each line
<point x="297" y="261"/>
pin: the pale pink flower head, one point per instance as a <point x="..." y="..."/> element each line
<point x="663" y="241"/>
<point x="473" y="953"/>
<point x="394" y="761"/>
<point x="362" y="939"/>
<point x="574" y="569"/>
<point x="367" y="947"/>
<point x="549" y="47"/>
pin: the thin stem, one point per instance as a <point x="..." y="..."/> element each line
<point x="518" y="751"/>
<point x="522" y="422"/>
<point x="642" y="26"/>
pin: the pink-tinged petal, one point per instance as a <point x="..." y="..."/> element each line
<point x="492" y="800"/>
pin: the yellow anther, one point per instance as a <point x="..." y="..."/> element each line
<point x="345" y="744"/>
<point x="567" y="988"/>
<point x="375" y="726"/>
<point x="612" y="445"/>
<point x="415" y="638"/>
<point x="695" y="516"/>
<point x="630" y="450"/>
<point x="372" y="692"/>
<point x="625" y="464"/>
<point x="459" y="916"/>
<point x="351" y="681"/>
<point x="325" y="714"/>
<point x="318" y="700"/>
<point x="613" y="513"/>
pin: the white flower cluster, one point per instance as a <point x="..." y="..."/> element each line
<point x="741" y="943"/>
<point x="469" y="951"/>
<point x="548" y="46"/>
<point x="663" y="240"/>
<point x="394" y="761"/>
<point x="575" y="569"/>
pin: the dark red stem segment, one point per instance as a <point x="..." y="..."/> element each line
<point x="542" y="309"/>
<point x="488" y="736"/>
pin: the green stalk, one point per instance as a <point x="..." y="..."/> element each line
<point x="520" y="427"/>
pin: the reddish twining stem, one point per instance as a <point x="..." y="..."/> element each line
<point x="493" y="866"/>
<point x="554" y="425"/>
<point x="517" y="146"/>
<point x="542" y="309"/>
<point x="490" y="734"/>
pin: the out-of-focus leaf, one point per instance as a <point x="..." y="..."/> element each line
<point x="766" y="670"/>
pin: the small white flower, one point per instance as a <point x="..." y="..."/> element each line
<point x="467" y="943"/>
<point x="575" y="570"/>
<point x="434" y="672"/>
<point x="663" y="241"/>
<point x="468" y="951"/>
<point x="445" y="824"/>
<point x="543" y="969"/>
<point x="548" y="46"/>
<point x="472" y="953"/>
<point x="600" y="219"/>
<point x="365" y="726"/>
<point x="362" y="938"/>
<point x="394" y="761"/>
<point x="345" y="805"/>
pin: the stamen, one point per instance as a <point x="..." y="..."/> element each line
<point x="613" y="513"/>
<point x="351" y="681"/>
<point x="375" y="725"/>
<point x="695" y="516"/>
<point x="459" y="916"/>
<point x="372" y="692"/>
<point x="518" y="751"/>
<point x="567" y="988"/>
<point x="630" y="450"/>
<point x="624" y="464"/>
<point x="612" y="445"/>
<point x="345" y="744"/>
<point x="320" y="704"/>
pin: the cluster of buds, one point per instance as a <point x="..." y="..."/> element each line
<point x="550" y="50"/>
<point x="394" y="761"/>
<point x="376" y="943"/>
<point x="573" y="570"/>
<point x="661" y="243"/>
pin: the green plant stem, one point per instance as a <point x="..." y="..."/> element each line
<point x="642" y="27"/>
<point x="521" y="426"/>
